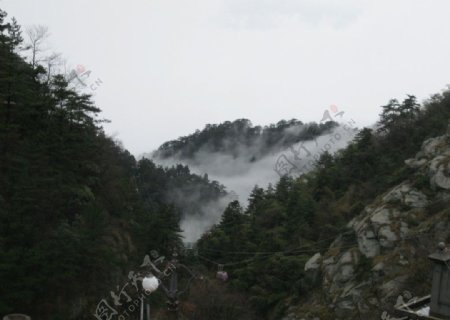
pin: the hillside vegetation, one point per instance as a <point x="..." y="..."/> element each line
<point x="77" y="211"/>
<point x="283" y="226"/>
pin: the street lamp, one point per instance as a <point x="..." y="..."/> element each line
<point x="150" y="283"/>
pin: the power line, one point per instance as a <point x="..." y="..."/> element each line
<point x="295" y="251"/>
<point x="261" y="252"/>
<point x="265" y="256"/>
<point x="226" y="264"/>
<point x="273" y="252"/>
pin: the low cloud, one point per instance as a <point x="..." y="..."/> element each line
<point x="240" y="172"/>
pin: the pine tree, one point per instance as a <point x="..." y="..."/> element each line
<point x="15" y="35"/>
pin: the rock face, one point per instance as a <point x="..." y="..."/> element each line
<point x="364" y="272"/>
<point x="435" y="157"/>
<point x="314" y="262"/>
<point x="406" y="195"/>
<point x="312" y="268"/>
<point x="440" y="173"/>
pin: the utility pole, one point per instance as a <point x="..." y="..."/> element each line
<point x="172" y="295"/>
<point x="172" y="292"/>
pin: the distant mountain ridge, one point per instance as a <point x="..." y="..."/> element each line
<point x="234" y="153"/>
<point x="230" y="138"/>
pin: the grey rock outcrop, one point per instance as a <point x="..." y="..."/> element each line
<point x="361" y="275"/>
<point x="314" y="262"/>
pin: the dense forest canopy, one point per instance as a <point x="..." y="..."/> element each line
<point x="77" y="211"/>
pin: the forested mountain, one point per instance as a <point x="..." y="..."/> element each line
<point x="240" y="155"/>
<point x="77" y="211"/>
<point x="265" y="246"/>
<point x="240" y="136"/>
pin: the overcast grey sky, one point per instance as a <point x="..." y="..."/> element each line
<point x="169" y="67"/>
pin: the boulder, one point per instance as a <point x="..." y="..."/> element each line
<point x="433" y="146"/>
<point x="368" y="244"/>
<point x="415" y="164"/>
<point x="407" y="195"/>
<point x="312" y="268"/>
<point x="380" y="217"/>
<point x="441" y="176"/>
<point x="314" y="262"/>
<point x="387" y="237"/>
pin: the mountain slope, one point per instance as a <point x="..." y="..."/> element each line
<point x="383" y="253"/>
<point x="75" y="216"/>
<point x="268" y="243"/>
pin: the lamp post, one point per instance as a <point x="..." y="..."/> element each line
<point x="151" y="283"/>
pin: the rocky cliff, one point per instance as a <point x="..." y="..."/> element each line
<point x="383" y="254"/>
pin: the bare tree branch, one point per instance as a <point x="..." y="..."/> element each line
<point x="37" y="35"/>
<point x="53" y="63"/>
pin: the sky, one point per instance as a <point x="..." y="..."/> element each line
<point x="161" y="69"/>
